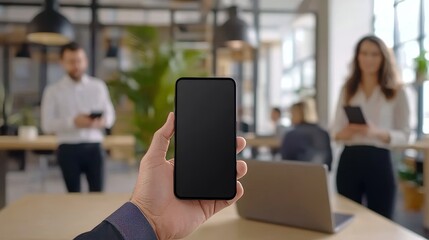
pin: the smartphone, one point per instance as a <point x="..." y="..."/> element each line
<point x="354" y="115"/>
<point x="205" y="138"/>
<point x="95" y="115"/>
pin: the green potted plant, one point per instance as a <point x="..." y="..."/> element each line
<point x="411" y="183"/>
<point x="150" y="83"/>
<point x="421" y="65"/>
<point x="27" y="129"/>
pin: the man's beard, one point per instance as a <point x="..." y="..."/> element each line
<point x="75" y="76"/>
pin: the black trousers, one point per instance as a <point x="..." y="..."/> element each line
<point x="367" y="172"/>
<point x="87" y="158"/>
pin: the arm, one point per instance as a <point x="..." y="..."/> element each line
<point x="287" y="147"/>
<point x="127" y="223"/>
<point x="104" y="230"/>
<point x="51" y="122"/>
<point x="401" y="121"/>
<point x="154" y="211"/>
<point x="340" y="121"/>
<point x="109" y="111"/>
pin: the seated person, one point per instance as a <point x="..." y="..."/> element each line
<point x="279" y="129"/>
<point x="306" y="141"/>
<point x="276" y="116"/>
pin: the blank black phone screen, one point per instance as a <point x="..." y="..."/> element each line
<point x="205" y="138"/>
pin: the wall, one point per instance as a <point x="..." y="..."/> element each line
<point x="349" y="20"/>
<point x="341" y="23"/>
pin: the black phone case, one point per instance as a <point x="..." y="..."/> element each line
<point x="354" y="115"/>
<point x="177" y="114"/>
<point x="95" y="115"/>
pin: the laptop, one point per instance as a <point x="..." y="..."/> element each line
<point x="290" y="193"/>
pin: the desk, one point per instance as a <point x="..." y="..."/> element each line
<point x="47" y="143"/>
<point x="423" y="145"/>
<point x="64" y="216"/>
<point x="271" y="142"/>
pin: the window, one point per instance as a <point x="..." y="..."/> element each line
<point x="406" y="54"/>
<point x="299" y="60"/>
<point x="408" y="19"/>
<point x="288" y="51"/>
<point x="384" y="20"/>
<point x="412" y="37"/>
<point x="426" y="17"/>
<point x="309" y="73"/>
<point x="426" y="107"/>
<point x="304" y="43"/>
<point x="291" y="80"/>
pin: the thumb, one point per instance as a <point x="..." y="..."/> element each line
<point x="161" y="139"/>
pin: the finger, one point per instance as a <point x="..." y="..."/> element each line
<point x="171" y="161"/>
<point x="241" y="144"/>
<point x="161" y="139"/>
<point x="223" y="204"/>
<point x="241" y="169"/>
<point x="240" y="193"/>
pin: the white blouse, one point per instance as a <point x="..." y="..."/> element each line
<point x="391" y="115"/>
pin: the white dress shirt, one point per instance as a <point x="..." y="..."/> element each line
<point x="64" y="100"/>
<point x="391" y="115"/>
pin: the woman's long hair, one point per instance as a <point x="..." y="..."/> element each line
<point x="387" y="74"/>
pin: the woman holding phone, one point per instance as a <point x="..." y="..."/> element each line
<point x="365" y="169"/>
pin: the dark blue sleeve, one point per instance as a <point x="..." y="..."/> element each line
<point x="104" y="230"/>
<point x="329" y="157"/>
<point x="288" y="148"/>
<point x="126" y="223"/>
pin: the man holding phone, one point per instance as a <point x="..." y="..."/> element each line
<point x="153" y="211"/>
<point x="77" y="109"/>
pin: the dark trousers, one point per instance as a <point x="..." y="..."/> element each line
<point x="367" y="172"/>
<point x="87" y="158"/>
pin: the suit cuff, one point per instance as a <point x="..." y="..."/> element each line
<point x="131" y="223"/>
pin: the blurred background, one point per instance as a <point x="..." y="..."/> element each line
<point x="279" y="52"/>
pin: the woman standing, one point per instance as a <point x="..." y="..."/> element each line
<point x="365" y="168"/>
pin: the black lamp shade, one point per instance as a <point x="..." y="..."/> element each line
<point x="235" y="30"/>
<point x="23" y="51"/>
<point x="49" y="27"/>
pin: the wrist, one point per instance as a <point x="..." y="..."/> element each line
<point x="130" y="222"/>
<point x="384" y="136"/>
<point x="147" y="215"/>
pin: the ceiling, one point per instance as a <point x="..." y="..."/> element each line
<point x="248" y="4"/>
<point x="157" y="12"/>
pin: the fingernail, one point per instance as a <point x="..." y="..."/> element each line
<point x="169" y="116"/>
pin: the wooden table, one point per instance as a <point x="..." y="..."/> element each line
<point x="255" y="141"/>
<point x="64" y="216"/>
<point x="423" y="146"/>
<point x="47" y="143"/>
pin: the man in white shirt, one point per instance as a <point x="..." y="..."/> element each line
<point x="67" y="106"/>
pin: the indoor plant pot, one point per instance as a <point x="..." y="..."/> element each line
<point x="27" y="129"/>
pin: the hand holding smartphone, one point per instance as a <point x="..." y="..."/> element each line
<point x="355" y="115"/>
<point x="95" y="114"/>
<point x="205" y="138"/>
